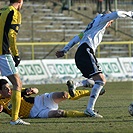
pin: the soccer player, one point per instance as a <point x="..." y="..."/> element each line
<point x="40" y="106"/>
<point x="85" y="58"/>
<point x="10" y="20"/>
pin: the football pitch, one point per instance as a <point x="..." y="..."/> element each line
<point x="113" y="105"/>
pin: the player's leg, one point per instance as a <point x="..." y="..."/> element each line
<point x="50" y="110"/>
<point x="73" y="113"/>
<point x="49" y="113"/>
<point x="16" y="99"/>
<point x="83" y="93"/>
<point x="73" y="85"/>
<point x="99" y="83"/>
<point x="79" y="94"/>
<point x="84" y="83"/>
<point x="65" y="113"/>
<point x="9" y="70"/>
<point x="88" y="65"/>
<point x="55" y="113"/>
<point x="59" y="96"/>
<point x="16" y="95"/>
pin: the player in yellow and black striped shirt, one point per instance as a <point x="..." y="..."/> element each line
<point x="10" y="20"/>
<point x="40" y="106"/>
<point x="5" y="99"/>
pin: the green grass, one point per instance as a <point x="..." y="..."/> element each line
<point x="113" y="105"/>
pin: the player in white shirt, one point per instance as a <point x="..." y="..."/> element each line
<point x="85" y="58"/>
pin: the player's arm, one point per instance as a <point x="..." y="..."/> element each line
<point x="74" y="41"/>
<point x="15" y="19"/>
<point x="1" y="108"/>
<point x="13" y="31"/>
<point x="124" y="14"/>
<point x="116" y="14"/>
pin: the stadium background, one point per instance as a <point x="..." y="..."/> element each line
<point x="46" y="28"/>
<point x="49" y="25"/>
<point x="42" y="36"/>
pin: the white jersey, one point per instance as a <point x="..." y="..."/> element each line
<point x="94" y="32"/>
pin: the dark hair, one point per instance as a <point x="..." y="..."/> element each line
<point x="2" y="82"/>
<point x="106" y="12"/>
<point x="13" y="1"/>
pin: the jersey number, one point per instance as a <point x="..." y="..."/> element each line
<point x="90" y="25"/>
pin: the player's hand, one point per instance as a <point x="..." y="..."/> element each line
<point x="30" y="91"/>
<point x="60" y="54"/>
<point x="16" y="60"/>
<point x="1" y="108"/>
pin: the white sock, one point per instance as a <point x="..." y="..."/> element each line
<point x="78" y="84"/>
<point x="89" y="83"/>
<point x="94" y="95"/>
<point x="85" y="83"/>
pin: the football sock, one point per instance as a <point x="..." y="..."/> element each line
<point x="16" y="101"/>
<point x="94" y="95"/>
<point x="88" y="83"/>
<point x="85" y="83"/>
<point x="73" y="113"/>
<point x="79" y="94"/>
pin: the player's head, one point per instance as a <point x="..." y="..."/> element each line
<point x="19" y="2"/>
<point x="2" y="82"/>
<point x="106" y="12"/>
<point x="111" y="21"/>
<point x="5" y="89"/>
<point x="14" y="1"/>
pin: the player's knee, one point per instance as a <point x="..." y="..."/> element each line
<point x="100" y="82"/>
<point x="60" y="113"/>
<point x="57" y="113"/>
<point x="101" y="79"/>
<point x="65" y="94"/>
<point x="104" y="81"/>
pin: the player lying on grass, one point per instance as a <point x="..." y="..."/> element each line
<point x="40" y="106"/>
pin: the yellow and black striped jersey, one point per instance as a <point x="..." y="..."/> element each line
<point x="25" y="107"/>
<point x="10" y="20"/>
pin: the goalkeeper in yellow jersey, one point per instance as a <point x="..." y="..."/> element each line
<point x="40" y="106"/>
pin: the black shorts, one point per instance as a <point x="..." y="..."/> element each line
<point x="86" y="61"/>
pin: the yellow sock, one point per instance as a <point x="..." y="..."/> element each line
<point x="73" y="113"/>
<point x="79" y="94"/>
<point x="16" y="101"/>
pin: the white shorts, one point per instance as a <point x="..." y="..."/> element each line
<point x="42" y="105"/>
<point x="7" y="65"/>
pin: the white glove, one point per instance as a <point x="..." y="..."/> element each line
<point x="124" y="14"/>
<point x="132" y="14"/>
